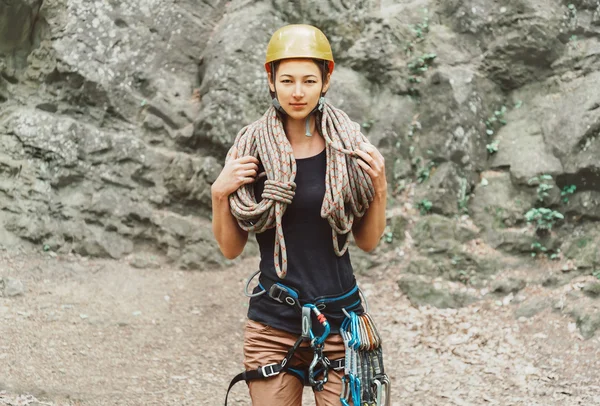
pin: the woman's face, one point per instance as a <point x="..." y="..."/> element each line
<point x="299" y="86"/>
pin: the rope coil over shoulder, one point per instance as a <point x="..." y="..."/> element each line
<point x="348" y="189"/>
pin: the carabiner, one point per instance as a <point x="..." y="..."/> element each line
<point x="316" y="341"/>
<point x="382" y="382"/>
<point x="345" y="395"/>
<point x="317" y="384"/>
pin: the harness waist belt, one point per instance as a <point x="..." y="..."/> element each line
<point x="329" y="305"/>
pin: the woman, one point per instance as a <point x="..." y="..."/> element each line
<point x="302" y="177"/>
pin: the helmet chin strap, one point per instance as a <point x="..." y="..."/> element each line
<point x="320" y="108"/>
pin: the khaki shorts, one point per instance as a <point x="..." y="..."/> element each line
<point x="265" y="345"/>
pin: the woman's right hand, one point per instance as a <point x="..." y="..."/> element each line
<point x="235" y="173"/>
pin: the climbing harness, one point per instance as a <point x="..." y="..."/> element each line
<point x="348" y="189"/>
<point x="364" y="382"/>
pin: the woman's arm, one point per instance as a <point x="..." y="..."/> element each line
<point x="236" y="172"/>
<point x="229" y="235"/>
<point x="368" y="230"/>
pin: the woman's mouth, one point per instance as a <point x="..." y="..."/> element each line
<point x="297" y="106"/>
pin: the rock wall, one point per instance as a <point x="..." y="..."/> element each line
<point x="115" y="118"/>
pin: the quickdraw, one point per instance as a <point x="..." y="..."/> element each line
<point x="317" y="343"/>
<point x="364" y="381"/>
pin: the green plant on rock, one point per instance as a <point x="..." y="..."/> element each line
<point x="417" y="67"/>
<point x="388" y="237"/>
<point x="424" y="206"/>
<point x="424" y="172"/>
<point x="596" y="273"/>
<point x="415" y="126"/>
<point x="537" y="248"/>
<point x="420" y="65"/>
<point x="495" y="121"/>
<point x="566" y="191"/>
<point x="555" y="255"/>
<point x="543" y="217"/>
<point x="492" y="148"/>
<point x="543" y="187"/>
<point x="573" y="42"/>
<point x="572" y="11"/>
<point x="422" y="28"/>
<point x="368" y="124"/>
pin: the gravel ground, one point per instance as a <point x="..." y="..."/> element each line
<point x="78" y="331"/>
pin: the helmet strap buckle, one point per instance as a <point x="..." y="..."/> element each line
<point x="321" y="104"/>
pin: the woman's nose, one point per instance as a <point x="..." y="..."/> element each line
<point x="298" y="92"/>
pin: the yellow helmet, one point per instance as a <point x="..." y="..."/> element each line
<point x="298" y="41"/>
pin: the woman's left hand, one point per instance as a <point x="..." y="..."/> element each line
<point x="374" y="165"/>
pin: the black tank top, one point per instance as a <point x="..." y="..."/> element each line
<point x="314" y="269"/>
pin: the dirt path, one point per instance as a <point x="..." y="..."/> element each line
<point x="97" y="332"/>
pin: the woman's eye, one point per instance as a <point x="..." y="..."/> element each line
<point x="311" y="81"/>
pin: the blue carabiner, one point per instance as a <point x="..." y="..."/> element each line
<point x="346" y="392"/>
<point x="355" y="388"/>
<point x="315" y="341"/>
<point x="355" y="342"/>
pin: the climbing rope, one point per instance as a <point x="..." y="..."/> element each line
<point x="348" y="189"/>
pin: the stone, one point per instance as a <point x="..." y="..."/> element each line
<point x="13" y="287"/>
<point x="592" y="289"/>
<point x="508" y="285"/>
<point x="532" y="307"/>
<point x="443" y="189"/>
<point x="421" y="292"/>
<point x="434" y="234"/>
<point x="17" y="21"/>
<point x="144" y="261"/>
<point x="499" y="204"/>
<point x="583" y="249"/>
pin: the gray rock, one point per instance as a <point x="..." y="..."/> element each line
<point x="144" y="261"/>
<point x="508" y="285"/>
<point x="116" y="117"/>
<point x="592" y="289"/>
<point x="583" y="248"/>
<point x="398" y="226"/>
<point x="587" y="320"/>
<point x="13" y="287"/>
<point x="522" y="149"/>
<point x="17" y="20"/>
<point x="531" y="307"/>
<point x="443" y="189"/>
<point x="498" y="204"/>
<point x="424" y="266"/>
<point x="435" y="234"/>
<point x="421" y="292"/>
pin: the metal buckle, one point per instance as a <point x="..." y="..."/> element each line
<point x="270" y="373"/>
<point x="338" y="364"/>
<point x="275" y="292"/>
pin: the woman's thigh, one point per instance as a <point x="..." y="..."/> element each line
<point x="265" y="345"/>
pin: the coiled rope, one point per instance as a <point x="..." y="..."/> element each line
<point x="348" y="189"/>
